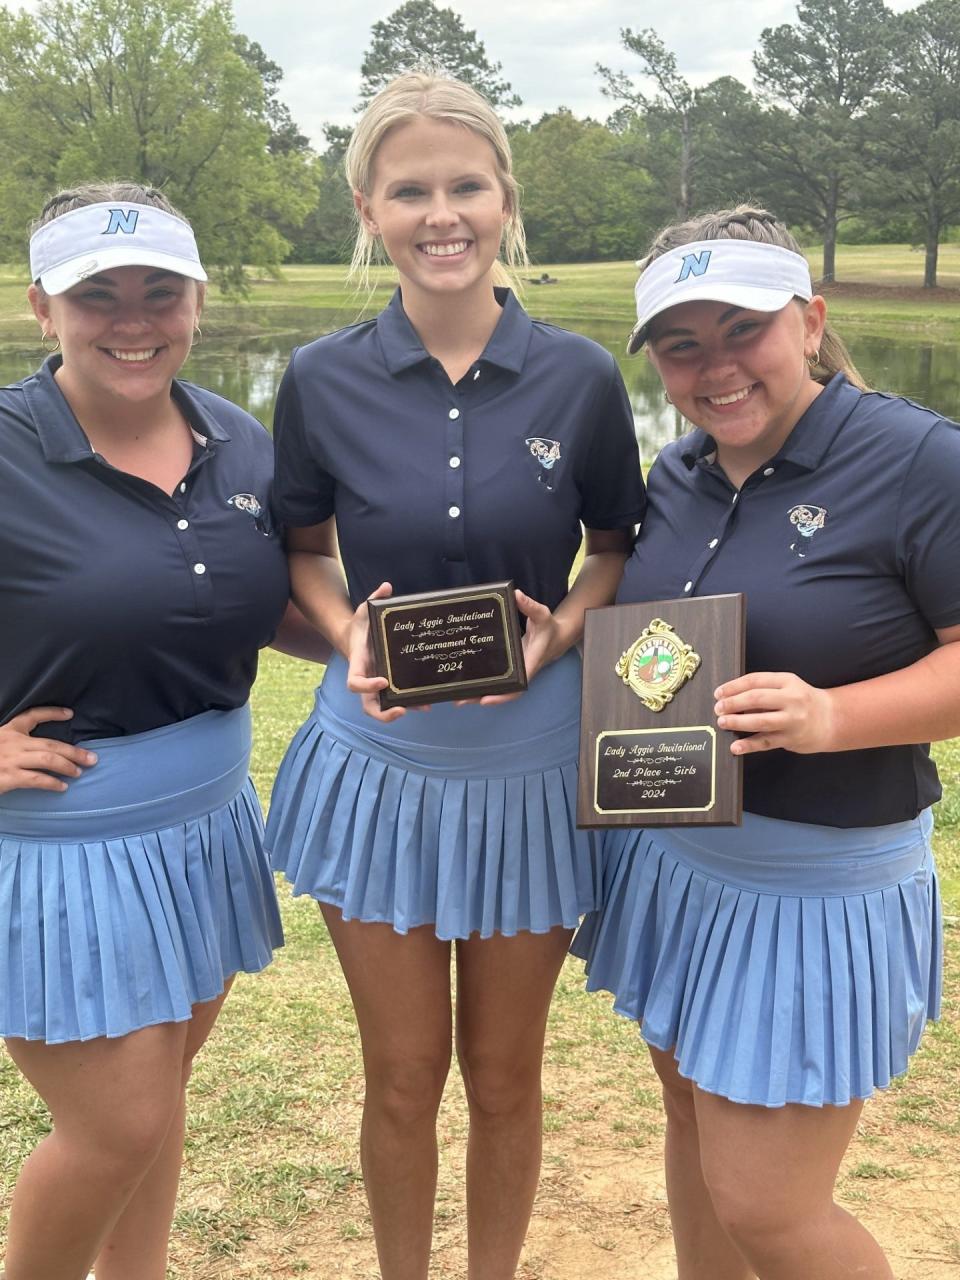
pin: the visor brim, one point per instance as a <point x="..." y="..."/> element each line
<point x="749" y="297"/>
<point x="65" y="275"/>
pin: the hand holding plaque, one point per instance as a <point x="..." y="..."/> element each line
<point x="650" y="751"/>
<point x="440" y="646"/>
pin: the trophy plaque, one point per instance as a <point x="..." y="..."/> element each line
<point x="437" y="646"/>
<point x="650" y="750"/>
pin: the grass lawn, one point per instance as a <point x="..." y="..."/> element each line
<point x="272" y="1185"/>
<point x="593" y="292"/>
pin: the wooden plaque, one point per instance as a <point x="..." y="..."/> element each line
<point x="437" y="646"/>
<point x="650" y="750"/>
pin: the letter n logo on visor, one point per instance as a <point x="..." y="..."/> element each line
<point x="124" y="220"/>
<point x="694" y="264"/>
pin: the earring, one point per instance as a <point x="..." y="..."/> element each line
<point x="197" y="335"/>
<point x="814" y="360"/>
<point x="45" y="338"/>
<point x="667" y="398"/>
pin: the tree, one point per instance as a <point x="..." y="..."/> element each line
<point x="284" y="134"/>
<point x="913" y="134"/>
<point x="584" y="198"/>
<point x="672" y="106"/>
<point x="680" y="124"/>
<point x="826" y="70"/>
<point x="153" y="90"/>
<point x="328" y="231"/>
<point x="418" y="34"/>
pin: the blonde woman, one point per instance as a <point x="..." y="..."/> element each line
<point x="450" y="441"/>
<point x="784" y="970"/>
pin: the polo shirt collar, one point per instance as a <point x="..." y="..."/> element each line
<point x="61" y="437"/>
<point x="507" y="348"/>
<point x="811" y="438"/>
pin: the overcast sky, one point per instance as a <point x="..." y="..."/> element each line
<point x="548" y="48"/>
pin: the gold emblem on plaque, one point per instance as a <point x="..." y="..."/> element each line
<point x="657" y="664"/>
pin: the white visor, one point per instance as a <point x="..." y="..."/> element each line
<point x="87" y="241"/>
<point x="745" y="273"/>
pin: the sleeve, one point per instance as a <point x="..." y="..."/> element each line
<point x="303" y="490"/>
<point x="612" y="482"/>
<point x="928" y="532"/>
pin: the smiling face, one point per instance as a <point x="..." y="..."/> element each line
<point x="740" y="375"/>
<point x="124" y="334"/>
<point x="437" y="202"/>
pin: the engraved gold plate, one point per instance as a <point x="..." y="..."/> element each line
<point x="657" y="664"/>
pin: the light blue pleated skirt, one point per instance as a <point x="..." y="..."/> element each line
<point x="780" y="962"/>
<point x="459" y="817"/>
<point x="139" y="890"/>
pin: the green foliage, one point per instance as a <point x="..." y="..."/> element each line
<point x="913" y="132"/>
<point x="670" y="112"/>
<point x="585" y="197"/>
<point x="158" y="91"/>
<point x="825" y="70"/>
<point x="685" y="135"/>
<point x="418" y="34"/>
<point x="327" y="232"/>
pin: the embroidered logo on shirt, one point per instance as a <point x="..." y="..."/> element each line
<point x="249" y="503"/>
<point x="547" y="453"/>
<point x="807" y="520"/>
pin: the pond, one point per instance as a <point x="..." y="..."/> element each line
<point x="246" y="365"/>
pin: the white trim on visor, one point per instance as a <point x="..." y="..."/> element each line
<point x="96" y="237"/>
<point x="745" y="273"/>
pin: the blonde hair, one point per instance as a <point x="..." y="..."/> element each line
<point x="748" y="223"/>
<point x="424" y="94"/>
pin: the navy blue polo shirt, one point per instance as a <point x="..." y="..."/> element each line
<point x="135" y="608"/>
<point x="847" y="545"/>
<point x="435" y="485"/>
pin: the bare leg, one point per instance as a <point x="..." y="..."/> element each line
<point x="400" y="986"/>
<point x="112" y="1103"/>
<point x="136" y="1248"/>
<point x="504" y="988"/>
<point x="704" y="1250"/>
<point x="771" y="1175"/>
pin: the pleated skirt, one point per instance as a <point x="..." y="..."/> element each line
<point x="780" y="962"/>
<point x="138" y="891"/>
<point x="459" y="817"/>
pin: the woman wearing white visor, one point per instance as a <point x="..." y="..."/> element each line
<point x="139" y="575"/>
<point x="783" y="970"/>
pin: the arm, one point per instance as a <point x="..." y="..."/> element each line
<point x="320" y="592"/>
<point x="920" y="703"/>
<point x="29" y="762"/>
<point x="296" y="637"/>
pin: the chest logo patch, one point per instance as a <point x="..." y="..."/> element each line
<point x="807" y="521"/>
<point x="547" y="453"/>
<point x="249" y="503"/>
<point x="657" y="664"/>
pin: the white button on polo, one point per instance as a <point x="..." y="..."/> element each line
<point x="712" y="543"/>
<point x="735" y="497"/>
<point x="453" y="414"/>
<point x="183" y="486"/>
<point x="183" y="524"/>
<point x="454" y="462"/>
<point x="768" y="471"/>
<point x="199" y="568"/>
<point x="688" y="587"/>
<point x="453" y="512"/>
